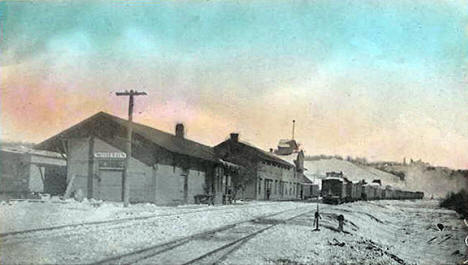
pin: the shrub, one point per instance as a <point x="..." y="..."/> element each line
<point x="456" y="201"/>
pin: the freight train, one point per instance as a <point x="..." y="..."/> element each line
<point x="337" y="189"/>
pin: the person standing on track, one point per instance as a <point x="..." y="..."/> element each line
<point x="316" y="219"/>
<point x="340" y="222"/>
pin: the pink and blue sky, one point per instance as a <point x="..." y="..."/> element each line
<point x="372" y="78"/>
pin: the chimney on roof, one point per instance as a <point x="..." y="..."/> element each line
<point x="179" y="130"/>
<point x="235" y="137"/>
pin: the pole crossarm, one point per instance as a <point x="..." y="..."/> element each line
<point x="131" y="93"/>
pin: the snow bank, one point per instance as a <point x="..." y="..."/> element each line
<point x="18" y="215"/>
<point x="376" y="232"/>
<point x="383" y="232"/>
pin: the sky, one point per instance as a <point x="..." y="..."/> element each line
<point x="378" y="79"/>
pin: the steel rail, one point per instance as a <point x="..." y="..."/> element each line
<point x="121" y="220"/>
<point x="239" y="241"/>
<point x="154" y="250"/>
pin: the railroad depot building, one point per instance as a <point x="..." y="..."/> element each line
<point x="164" y="169"/>
<point x="269" y="178"/>
<point x="296" y="158"/>
<point x="25" y="171"/>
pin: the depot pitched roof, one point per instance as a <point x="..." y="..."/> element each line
<point x="165" y="140"/>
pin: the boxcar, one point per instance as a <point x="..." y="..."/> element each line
<point x="397" y="194"/>
<point x="368" y="192"/>
<point x="387" y="193"/>
<point x="339" y="189"/>
<point x="405" y="195"/>
<point x="378" y="191"/>
<point x="356" y="191"/>
<point x="349" y="190"/>
<point x="419" y="195"/>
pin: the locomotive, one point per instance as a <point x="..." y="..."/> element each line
<point x="333" y="190"/>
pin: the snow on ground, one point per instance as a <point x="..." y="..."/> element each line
<point x="25" y="215"/>
<point x="382" y="232"/>
<point x="91" y="243"/>
<point x="377" y="232"/>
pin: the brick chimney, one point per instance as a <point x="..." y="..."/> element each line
<point x="179" y="130"/>
<point x="235" y="137"/>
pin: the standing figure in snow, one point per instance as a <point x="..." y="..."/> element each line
<point x="340" y="222"/>
<point x="316" y="220"/>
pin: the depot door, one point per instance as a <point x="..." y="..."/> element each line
<point x="267" y="188"/>
<point x="110" y="185"/>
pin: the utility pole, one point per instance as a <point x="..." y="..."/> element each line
<point x="294" y="124"/>
<point x="128" y="146"/>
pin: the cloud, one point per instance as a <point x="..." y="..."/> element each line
<point x="376" y="78"/>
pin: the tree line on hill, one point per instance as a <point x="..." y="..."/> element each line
<point x="356" y="160"/>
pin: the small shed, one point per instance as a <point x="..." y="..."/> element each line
<point x="311" y="186"/>
<point x="26" y="171"/>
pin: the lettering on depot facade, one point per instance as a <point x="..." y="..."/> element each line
<point x="112" y="155"/>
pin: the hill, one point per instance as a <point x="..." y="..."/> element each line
<point x="320" y="167"/>
<point x="437" y="181"/>
<point x="433" y="181"/>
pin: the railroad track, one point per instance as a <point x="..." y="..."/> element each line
<point x="208" y="247"/>
<point x="71" y="231"/>
<point x="121" y="220"/>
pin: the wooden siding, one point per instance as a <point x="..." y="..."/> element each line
<point x="281" y="179"/>
<point x="160" y="183"/>
<point x="14" y="172"/>
<point x="25" y="173"/>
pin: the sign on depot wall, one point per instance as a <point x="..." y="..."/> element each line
<point x="114" y="155"/>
